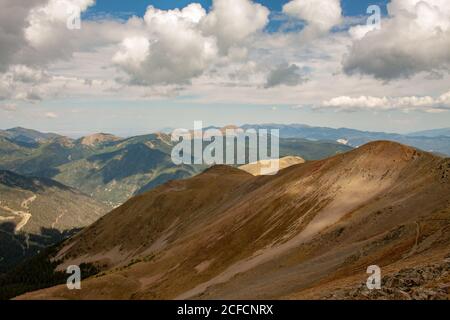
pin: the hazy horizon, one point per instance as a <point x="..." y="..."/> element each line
<point x="165" y="129"/>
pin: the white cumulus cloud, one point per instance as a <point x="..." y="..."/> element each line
<point x="320" y="15"/>
<point x="232" y="21"/>
<point x="415" y="38"/>
<point x="173" y="50"/>
<point x="407" y="103"/>
<point x="181" y="44"/>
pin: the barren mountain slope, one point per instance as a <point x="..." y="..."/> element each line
<point x="309" y="231"/>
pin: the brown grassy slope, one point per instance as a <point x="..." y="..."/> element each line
<point x="226" y="234"/>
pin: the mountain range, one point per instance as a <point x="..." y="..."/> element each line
<point x="27" y="136"/>
<point x="113" y="169"/>
<point x="311" y="231"/>
<point x="436" y="141"/>
<point x="444" y="132"/>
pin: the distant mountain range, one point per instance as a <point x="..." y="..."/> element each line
<point x="27" y="136"/>
<point x="36" y="213"/>
<point x="437" y="141"/>
<point x="309" y="232"/>
<point x="113" y="169"/>
<point x="445" y="132"/>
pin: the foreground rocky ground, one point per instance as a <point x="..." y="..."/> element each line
<point x="431" y="282"/>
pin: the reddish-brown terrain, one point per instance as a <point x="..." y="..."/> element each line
<point x="310" y="231"/>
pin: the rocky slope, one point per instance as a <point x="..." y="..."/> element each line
<point x="418" y="282"/>
<point x="308" y="232"/>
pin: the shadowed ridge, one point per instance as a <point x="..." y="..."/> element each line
<point x="224" y="170"/>
<point x="13" y="180"/>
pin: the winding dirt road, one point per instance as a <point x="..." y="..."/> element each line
<point x="24" y="215"/>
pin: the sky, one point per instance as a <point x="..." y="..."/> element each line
<point x="126" y="9"/>
<point x="133" y="67"/>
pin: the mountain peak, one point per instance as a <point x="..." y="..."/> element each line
<point x="390" y="149"/>
<point x="15" y="129"/>
<point x="98" y="138"/>
<point x="230" y="126"/>
<point x="29" y="135"/>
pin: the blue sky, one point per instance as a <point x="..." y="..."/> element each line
<point x="125" y="9"/>
<point x="138" y="7"/>
<point x="128" y="76"/>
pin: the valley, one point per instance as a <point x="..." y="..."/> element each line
<point x="36" y="213"/>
